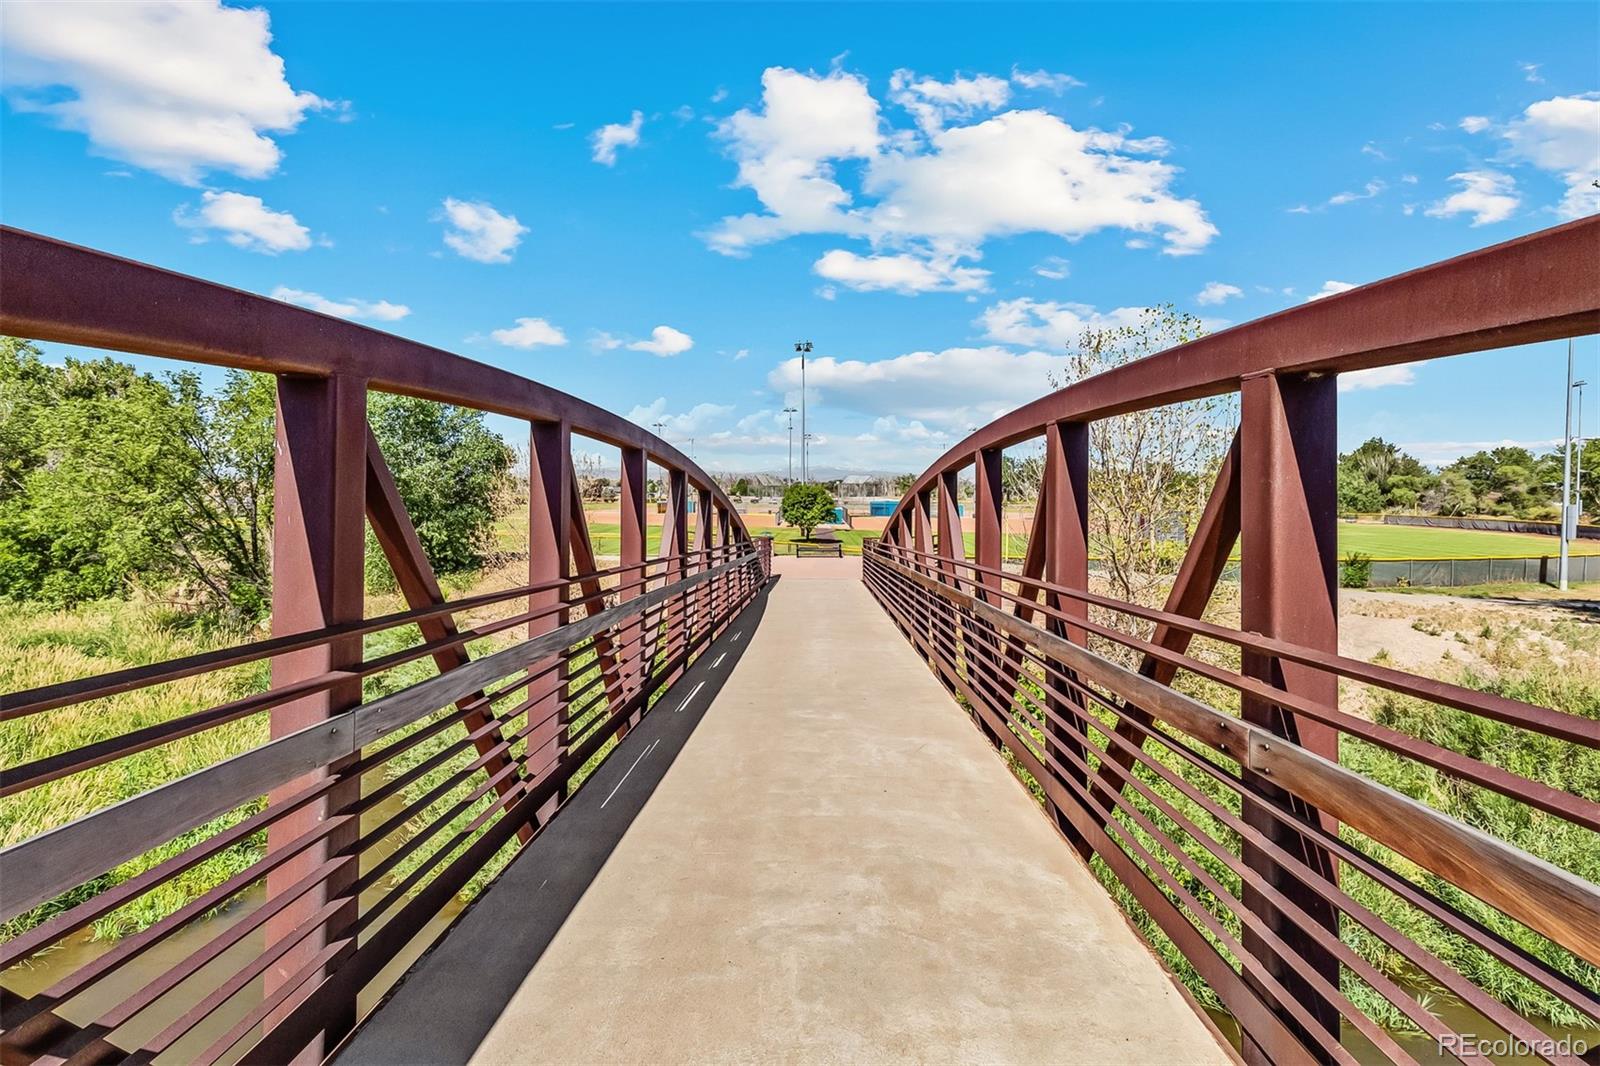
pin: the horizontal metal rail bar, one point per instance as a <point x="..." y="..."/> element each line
<point x="668" y="606"/>
<point x="30" y="775"/>
<point x="46" y="865"/>
<point x="64" y="693"/>
<point x="1574" y="808"/>
<point x="1426" y="963"/>
<point x="1546" y="720"/>
<point x="1544" y="897"/>
<point x="965" y="647"/>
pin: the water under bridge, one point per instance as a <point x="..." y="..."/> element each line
<point x="681" y="801"/>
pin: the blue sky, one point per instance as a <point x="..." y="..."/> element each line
<point x="646" y="206"/>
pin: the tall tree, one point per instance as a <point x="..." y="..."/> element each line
<point x="448" y="467"/>
<point x="1149" y="471"/>
<point x="1378" y="475"/>
<point x="806" y="507"/>
<point x="111" y="478"/>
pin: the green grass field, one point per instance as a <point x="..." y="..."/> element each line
<point x="1378" y="541"/>
<point x="1417" y="542"/>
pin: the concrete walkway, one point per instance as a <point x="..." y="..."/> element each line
<point x="816" y="858"/>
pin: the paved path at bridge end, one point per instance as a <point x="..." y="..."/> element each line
<point x="804" y="854"/>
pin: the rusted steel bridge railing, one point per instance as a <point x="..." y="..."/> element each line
<point x="1238" y="832"/>
<point x="374" y="812"/>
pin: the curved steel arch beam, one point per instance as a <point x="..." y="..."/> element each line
<point x="55" y="291"/>
<point x="1545" y="286"/>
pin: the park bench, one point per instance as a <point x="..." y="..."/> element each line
<point x="804" y="548"/>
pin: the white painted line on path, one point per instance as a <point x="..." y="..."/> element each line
<point x="636" y="762"/>
<point x="687" y="699"/>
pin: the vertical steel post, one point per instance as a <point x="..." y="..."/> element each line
<point x="1563" y="569"/>
<point x="1066" y="465"/>
<point x="1289" y="528"/>
<point x="725" y="541"/>
<point x="952" y="545"/>
<point x="677" y="533"/>
<point x="988" y="529"/>
<point x="764" y="558"/>
<point x="1066" y="470"/>
<point x="549" y="561"/>
<point x="318" y="580"/>
<point x="922" y="542"/>
<point x="675" y="550"/>
<point x="921" y="527"/>
<point x="704" y="524"/>
<point x="634" y="489"/>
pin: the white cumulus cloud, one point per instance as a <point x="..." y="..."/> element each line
<point x="786" y="155"/>
<point x="608" y="139"/>
<point x="1044" y="79"/>
<point x="1487" y="195"/>
<point x="477" y="231"/>
<point x="950" y="389"/>
<point x="530" y="333"/>
<point x="1474" y="123"/>
<point x="1053" y="267"/>
<point x="697" y="419"/>
<point x="664" y="341"/>
<point x="1048" y="323"/>
<point x="932" y="103"/>
<point x="940" y="189"/>
<point x="1379" y="377"/>
<point x="1562" y="136"/>
<point x="349" y="307"/>
<point x="177" y="87"/>
<point x="905" y="274"/>
<point x="1216" y="292"/>
<point x="244" y="222"/>
<point x="1330" y="288"/>
<point x="1029" y="171"/>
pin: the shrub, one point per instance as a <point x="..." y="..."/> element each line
<point x="1356" y="573"/>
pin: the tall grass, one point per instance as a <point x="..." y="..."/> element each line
<point x="39" y="647"/>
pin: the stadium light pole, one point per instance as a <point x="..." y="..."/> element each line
<point x="1577" y="462"/>
<point x="790" y="412"/>
<point x="1566" y="481"/>
<point x="804" y="348"/>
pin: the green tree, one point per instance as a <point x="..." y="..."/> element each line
<point x="449" y="468"/>
<point x="1511" y="481"/>
<point x="1357" y="495"/>
<point x="110" y="478"/>
<point x="222" y="532"/>
<point x="1588" y="486"/>
<point x="95" y="453"/>
<point x="1377" y="476"/>
<point x="1451" y="495"/>
<point x="806" y="507"/>
<point x="903" y="483"/>
<point x="1150" y="471"/>
<point x="741" y="487"/>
